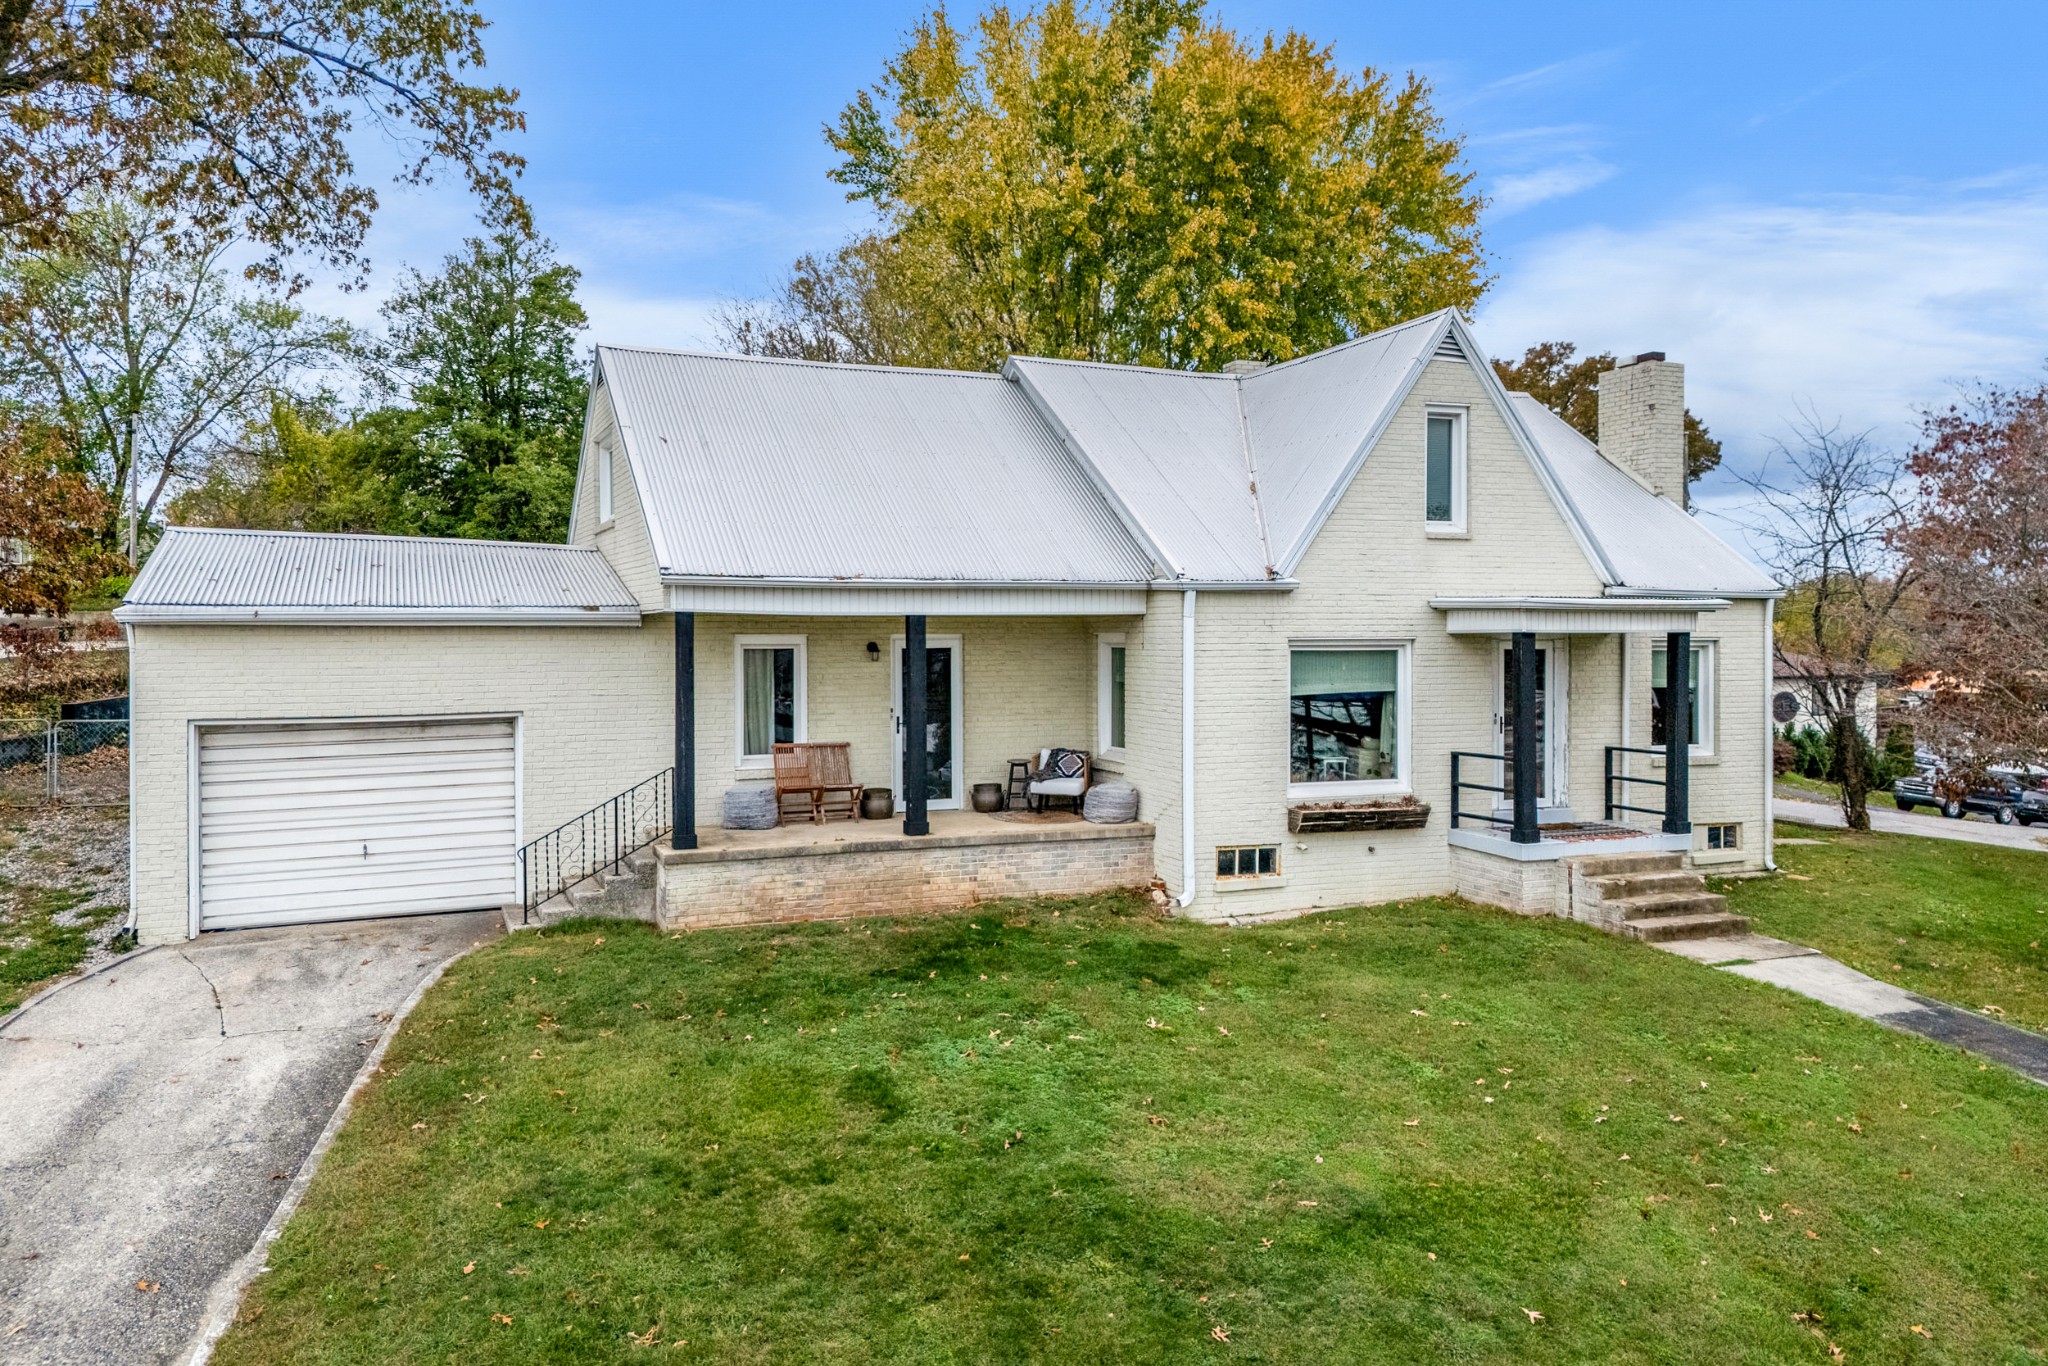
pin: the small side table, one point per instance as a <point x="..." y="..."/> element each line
<point x="1017" y="791"/>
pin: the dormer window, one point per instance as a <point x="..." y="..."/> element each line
<point x="1444" y="471"/>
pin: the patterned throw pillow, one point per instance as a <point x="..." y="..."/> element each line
<point x="1064" y="763"/>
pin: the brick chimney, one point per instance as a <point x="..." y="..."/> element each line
<point x="1642" y="422"/>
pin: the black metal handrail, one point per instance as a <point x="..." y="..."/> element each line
<point x="1459" y="785"/>
<point x="600" y="837"/>
<point x="1611" y="779"/>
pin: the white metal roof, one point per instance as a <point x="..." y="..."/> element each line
<point x="760" y="469"/>
<point x="212" y="574"/>
<point x="1067" y="473"/>
<point x="1652" y="543"/>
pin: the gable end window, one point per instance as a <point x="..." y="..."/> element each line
<point x="604" y="483"/>
<point x="1110" y="657"/>
<point x="1444" y="470"/>
<point x="769" y="688"/>
<point x="1700" y="716"/>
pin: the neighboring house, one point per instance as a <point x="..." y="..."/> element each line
<point x="1792" y="695"/>
<point x="1277" y="601"/>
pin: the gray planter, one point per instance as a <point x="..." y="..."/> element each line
<point x="1110" y="803"/>
<point x="751" y="808"/>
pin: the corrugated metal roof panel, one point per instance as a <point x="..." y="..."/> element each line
<point x="773" y="469"/>
<point x="1651" y="542"/>
<point x="1310" y="418"/>
<point x="202" y="568"/>
<point x="1170" y="446"/>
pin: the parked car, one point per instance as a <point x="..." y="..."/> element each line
<point x="1999" y="796"/>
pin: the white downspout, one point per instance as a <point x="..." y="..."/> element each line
<point x="1187" y="748"/>
<point x="127" y="929"/>
<point x="1770" y="740"/>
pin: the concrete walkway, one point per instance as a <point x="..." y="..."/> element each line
<point x="1811" y="973"/>
<point x="1972" y="830"/>
<point x="156" y="1112"/>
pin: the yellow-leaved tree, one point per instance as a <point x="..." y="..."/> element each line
<point x="1134" y="183"/>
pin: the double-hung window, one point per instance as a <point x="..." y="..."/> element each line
<point x="1444" y="470"/>
<point x="1700" y="695"/>
<point x="1348" y="720"/>
<point x="769" y="687"/>
<point x="604" y="483"/>
<point x="1110" y="656"/>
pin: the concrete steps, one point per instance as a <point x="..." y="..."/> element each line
<point x="1651" y="897"/>
<point x="626" y="895"/>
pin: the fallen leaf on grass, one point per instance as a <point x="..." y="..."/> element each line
<point x="1921" y="1331"/>
<point x="468" y="1268"/>
<point x="1411" y="1123"/>
<point x="646" y="1339"/>
<point x="501" y="1318"/>
<point x="1220" y="1333"/>
<point x="1534" y="1317"/>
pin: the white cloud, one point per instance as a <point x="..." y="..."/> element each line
<point x="1864" y="308"/>
<point x="633" y="318"/>
<point x="1526" y="189"/>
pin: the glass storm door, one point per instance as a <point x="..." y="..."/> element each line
<point x="942" y="730"/>
<point x="1550" y="759"/>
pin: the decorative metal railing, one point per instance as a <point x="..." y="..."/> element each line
<point x="1459" y="787"/>
<point x="1616" y="784"/>
<point x="599" y="838"/>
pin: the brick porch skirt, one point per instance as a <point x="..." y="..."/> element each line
<point x="798" y="875"/>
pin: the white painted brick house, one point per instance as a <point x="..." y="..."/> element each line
<point x="1277" y="602"/>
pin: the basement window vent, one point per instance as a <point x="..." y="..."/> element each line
<point x="1724" y="837"/>
<point x="1248" y="860"/>
<point x="1448" y="349"/>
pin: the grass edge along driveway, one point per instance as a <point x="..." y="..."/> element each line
<point x="1074" y="1132"/>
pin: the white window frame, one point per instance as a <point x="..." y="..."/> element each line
<point x="1104" y="643"/>
<point x="1701" y="746"/>
<point x="740" y="646"/>
<point x="1460" y="421"/>
<point x="604" y="484"/>
<point x="1404" y="713"/>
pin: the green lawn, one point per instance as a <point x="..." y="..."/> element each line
<point x="1820" y="790"/>
<point x="1960" y="922"/>
<point x="1074" y="1132"/>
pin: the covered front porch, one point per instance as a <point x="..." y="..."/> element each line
<point x="1508" y="818"/>
<point x="925" y="706"/>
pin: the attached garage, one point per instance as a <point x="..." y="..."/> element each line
<point x="345" y="727"/>
<point x="354" y="820"/>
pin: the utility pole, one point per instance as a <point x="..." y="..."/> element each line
<point x="134" y="492"/>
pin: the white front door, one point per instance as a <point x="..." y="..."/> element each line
<point x="340" y="820"/>
<point x="945" y="720"/>
<point x="1552" y="734"/>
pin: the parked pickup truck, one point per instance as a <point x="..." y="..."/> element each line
<point x="1999" y="797"/>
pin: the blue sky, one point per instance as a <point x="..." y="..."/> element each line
<point x="1832" y="205"/>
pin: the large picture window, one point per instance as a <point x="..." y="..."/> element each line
<point x="1700" y="714"/>
<point x="770" y="690"/>
<point x="1348" y="719"/>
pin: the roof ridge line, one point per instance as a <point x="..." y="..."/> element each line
<point x="802" y="361"/>
<point x="185" y="529"/>
<point x="1251" y="469"/>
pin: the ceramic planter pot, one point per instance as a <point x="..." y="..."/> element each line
<point x="877" y="806"/>
<point x="988" y="796"/>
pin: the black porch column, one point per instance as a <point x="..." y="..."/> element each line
<point x="916" y="672"/>
<point x="1522" y="716"/>
<point x="1678" y="733"/>
<point x="683" y="833"/>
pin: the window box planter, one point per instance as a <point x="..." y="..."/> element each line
<point x="1322" y="818"/>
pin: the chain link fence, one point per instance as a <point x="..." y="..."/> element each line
<point x="84" y="763"/>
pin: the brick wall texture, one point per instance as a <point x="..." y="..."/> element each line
<point x="899" y="880"/>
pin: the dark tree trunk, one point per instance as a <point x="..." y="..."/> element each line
<point x="1855" y="769"/>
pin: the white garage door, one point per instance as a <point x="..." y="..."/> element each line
<point x="344" y="821"/>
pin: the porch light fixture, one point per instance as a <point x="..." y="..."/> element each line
<point x="874" y="653"/>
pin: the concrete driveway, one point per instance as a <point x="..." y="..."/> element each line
<point x="155" y="1113"/>
<point x="1973" y="830"/>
